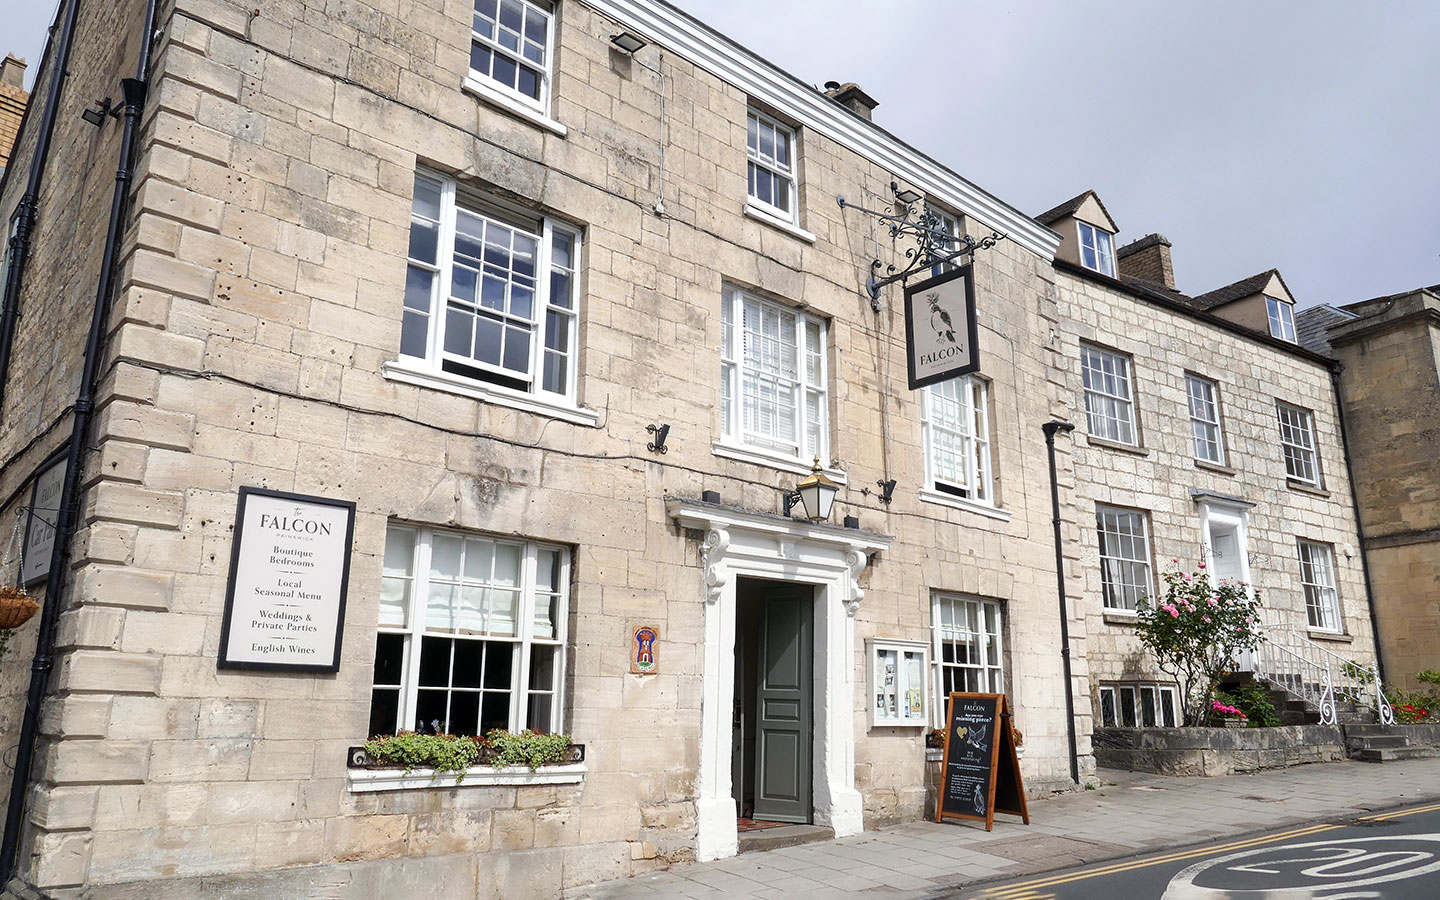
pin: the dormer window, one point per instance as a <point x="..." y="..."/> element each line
<point x="1096" y="250"/>
<point x="1282" y="319"/>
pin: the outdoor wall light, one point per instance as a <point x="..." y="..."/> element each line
<point x="905" y="197"/>
<point x="96" y="115"/>
<point x="628" y="41"/>
<point x="816" y="493"/>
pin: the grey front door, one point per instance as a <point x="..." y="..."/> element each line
<point x="783" y="739"/>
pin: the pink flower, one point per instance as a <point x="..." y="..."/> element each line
<point x="1207" y="619"/>
<point x="1212" y="601"/>
<point x="1202" y="565"/>
<point x="1186" y="576"/>
<point x="1174" y="613"/>
<point x="1174" y="560"/>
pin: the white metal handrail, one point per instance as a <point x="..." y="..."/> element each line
<point x="1313" y="673"/>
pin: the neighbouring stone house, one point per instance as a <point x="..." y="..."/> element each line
<point x="653" y="324"/>
<point x="13" y="102"/>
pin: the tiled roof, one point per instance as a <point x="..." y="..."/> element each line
<point x="1241" y="289"/>
<point x="1312" y="326"/>
<point x="1160" y="290"/>
<point x="1065" y="209"/>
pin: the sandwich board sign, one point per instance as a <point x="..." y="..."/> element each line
<point x="980" y="771"/>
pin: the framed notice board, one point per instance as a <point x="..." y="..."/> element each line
<point x="980" y="771"/>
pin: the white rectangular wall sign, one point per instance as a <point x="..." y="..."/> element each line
<point x="940" y="330"/>
<point x="289" y="570"/>
<point x="39" y="546"/>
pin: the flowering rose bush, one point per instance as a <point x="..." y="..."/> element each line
<point x="1221" y="711"/>
<point x="1196" y="632"/>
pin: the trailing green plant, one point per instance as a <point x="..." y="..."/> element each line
<point x="1196" y="631"/>
<point x="502" y="748"/>
<point x="441" y="752"/>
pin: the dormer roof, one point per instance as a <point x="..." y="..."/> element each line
<point x="1086" y="206"/>
<point x="1263" y="283"/>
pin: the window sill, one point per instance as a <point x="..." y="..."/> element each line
<point x="934" y="754"/>
<point x="775" y="221"/>
<point x="1304" y="488"/>
<point x="508" y="104"/>
<point x="363" y="781"/>
<point x="1337" y="637"/>
<point x="1213" y="467"/>
<point x="773" y="461"/>
<point x="940" y="498"/>
<point x="1116" y="445"/>
<point x="407" y="373"/>
<point x="1120" y="617"/>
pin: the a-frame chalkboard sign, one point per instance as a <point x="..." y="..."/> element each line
<point x="980" y="771"/>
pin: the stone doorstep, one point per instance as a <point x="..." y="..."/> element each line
<point x="784" y="836"/>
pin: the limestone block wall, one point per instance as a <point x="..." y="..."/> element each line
<point x="261" y="298"/>
<point x="1159" y="477"/>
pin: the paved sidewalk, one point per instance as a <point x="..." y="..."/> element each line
<point x="1132" y="813"/>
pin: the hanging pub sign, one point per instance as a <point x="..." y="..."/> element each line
<point x="39" y="546"/>
<point x="940" y="330"/>
<point x="289" y="570"/>
<point x="980" y="774"/>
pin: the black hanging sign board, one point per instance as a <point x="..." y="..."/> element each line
<point x="980" y="771"/>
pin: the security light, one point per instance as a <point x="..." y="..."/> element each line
<point x="628" y="41"/>
<point x="907" y="196"/>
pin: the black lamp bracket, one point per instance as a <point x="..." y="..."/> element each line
<point x="661" y="432"/>
<point x="887" y="489"/>
<point x="934" y="245"/>
<point x="792" y="499"/>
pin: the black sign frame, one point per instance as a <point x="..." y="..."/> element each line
<point x="236" y="544"/>
<point x="1001" y="788"/>
<point x="972" y="327"/>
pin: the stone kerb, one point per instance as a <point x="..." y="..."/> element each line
<point x="1216" y="751"/>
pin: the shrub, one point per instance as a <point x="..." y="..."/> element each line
<point x="526" y="748"/>
<point x="1254" y="700"/>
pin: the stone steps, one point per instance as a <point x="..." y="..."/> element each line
<point x="1394" y="754"/>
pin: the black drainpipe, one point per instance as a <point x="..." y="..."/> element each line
<point x="1050" y="428"/>
<point x="134" y="91"/>
<point x="19" y="250"/>
<point x="1335" y="371"/>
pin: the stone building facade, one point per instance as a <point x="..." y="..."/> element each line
<point x="624" y="239"/>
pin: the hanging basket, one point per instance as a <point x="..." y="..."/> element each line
<point x="16" y="607"/>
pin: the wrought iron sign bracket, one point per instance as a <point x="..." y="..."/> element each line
<point x="934" y="246"/>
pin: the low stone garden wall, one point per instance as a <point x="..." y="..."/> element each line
<point x="1216" y="751"/>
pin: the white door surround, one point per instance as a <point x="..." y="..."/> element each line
<point x="1224" y="526"/>
<point x="740" y="543"/>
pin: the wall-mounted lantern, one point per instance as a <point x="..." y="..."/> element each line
<point x="816" y="493"/>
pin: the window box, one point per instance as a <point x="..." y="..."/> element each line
<point x="370" y="780"/>
<point x="899" y="671"/>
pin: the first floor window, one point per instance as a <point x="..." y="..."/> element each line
<point x="772" y="377"/>
<point x="1109" y="400"/>
<point x="957" y="438"/>
<point x="1138" y="706"/>
<point x="1124" y="556"/>
<point x="1096" y="249"/>
<point x="770" y="148"/>
<point x="471" y="633"/>
<point x="491" y="293"/>
<point x="1205" y="419"/>
<point x="1317" y="578"/>
<point x="1297" y="442"/>
<point x="510" y="43"/>
<point x="968" y="651"/>
<point x="942" y="221"/>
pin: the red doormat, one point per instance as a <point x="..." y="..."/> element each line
<point x="743" y="825"/>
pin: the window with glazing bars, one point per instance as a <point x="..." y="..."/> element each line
<point x="1096" y="249"/>
<point x="1297" y="441"/>
<point x="1109" y="404"/>
<point x="957" y="437"/>
<point x="1282" y="319"/>
<point x="510" y="291"/>
<point x="1209" y="440"/>
<point x="772" y="377"/>
<point x="771" y="151"/>
<point x="951" y="226"/>
<point x="968" y="653"/>
<point x="471" y="634"/>
<point x="1317" y="579"/>
<point x="1125" y="577"/>
<point x="1139" y="706"/>
<point x="510" y="48"/>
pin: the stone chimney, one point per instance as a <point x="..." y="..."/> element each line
<point x="12" y="71"/>
<point x="852" y="98"/>
<point x="1148" y="258"/>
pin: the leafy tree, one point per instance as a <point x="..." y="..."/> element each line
<point x="1197" y="631"/>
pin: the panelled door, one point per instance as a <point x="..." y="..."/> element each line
<point x="783" y="736"/>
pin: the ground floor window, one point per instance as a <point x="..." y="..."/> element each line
<point x="968" y="650"/>
<point x="1139" y="706"/>
<point x="471" y="633"/>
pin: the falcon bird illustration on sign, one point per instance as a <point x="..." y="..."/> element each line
<point x="940" y="318"/>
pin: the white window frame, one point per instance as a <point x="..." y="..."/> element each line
<point x="1282" y="319"/>
<point x="893" y="701"/>
<point x="1317" y="582"/>
<point x="1206" y="427"/>
<point x="1137" y="693"/>
<point x="1099" y="245"/>
<point x="1109" y="395"/>
<point x="977" y="480"/>
<point x="807" y="383"/>
<point x="989" y="677"/>
<point x="782" y="170"/>
<point x="1298" y="443"/>
<point x="1113" y="591"/>
<point x="486" y="82"/>
<point x="413" y="627"/>
<point x="545" y="231"/>
<point x="950" y="224"/>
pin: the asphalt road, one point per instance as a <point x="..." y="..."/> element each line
<point x="1393" y="855"/>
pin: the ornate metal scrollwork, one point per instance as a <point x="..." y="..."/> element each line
<point x="1328" y="712"/>
<point x="934" y="245"/>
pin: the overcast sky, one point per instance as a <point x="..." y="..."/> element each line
<point x="1300" y="135"/>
